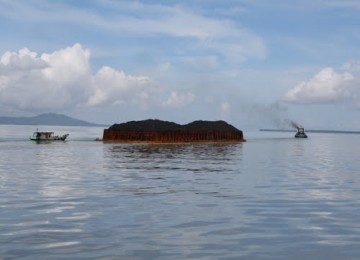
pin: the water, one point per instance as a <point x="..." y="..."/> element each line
<point x="273" y="197"/>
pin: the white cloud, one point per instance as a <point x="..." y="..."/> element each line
<point x="67" y="65"/>
<point x="201" y="62"/>
<point x="178" y="99"/>
<point x="326" y="86"/>
<point x="63" y="79"/>
<point x="225" y="110"/>
<point x="23" y="60"/>
<point x="163" y="67"/>
<point x="352" y="65"/>
<point x="110" y="85"/>
<point x="221" y="37"/>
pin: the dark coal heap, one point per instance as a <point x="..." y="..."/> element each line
<point x="212" y="126"/>
<point x="153" y="130"/>
<point x="162" y="126"/>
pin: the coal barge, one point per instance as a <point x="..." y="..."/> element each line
<point x="158" y="131"/>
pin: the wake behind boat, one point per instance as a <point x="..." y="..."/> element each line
<point x="47" y="136"/>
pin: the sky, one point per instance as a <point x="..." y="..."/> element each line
<point x="253" y="63"/>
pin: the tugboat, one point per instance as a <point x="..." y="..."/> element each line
<point x="300" y="133"/>
<point x="47" y="136"/>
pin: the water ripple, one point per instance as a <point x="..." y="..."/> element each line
<point x="270" y="198"/>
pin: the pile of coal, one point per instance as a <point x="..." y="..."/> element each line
<point x="154" y="130"/>
<point x="146" y="125"/>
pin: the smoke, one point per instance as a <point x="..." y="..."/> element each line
<point x="293" y="124"/>
<point x="286" y="123"/>
<point x="270" y="115"/>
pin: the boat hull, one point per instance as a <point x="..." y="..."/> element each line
<point x="46" y="138"/>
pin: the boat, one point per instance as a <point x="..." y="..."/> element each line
<point x="300" y="133"/>
<point x="47" y="136"/>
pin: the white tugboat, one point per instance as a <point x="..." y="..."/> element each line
<point x="47" y="136"/>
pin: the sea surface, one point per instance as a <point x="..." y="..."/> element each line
<point x="272" y="197"/>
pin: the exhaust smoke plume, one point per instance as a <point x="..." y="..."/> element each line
<point x="275" y="115"/>
<point x="286" y="123"/>
<point x="295" y="125"/>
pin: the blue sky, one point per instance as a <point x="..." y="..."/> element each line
<point x="253" y="63"/>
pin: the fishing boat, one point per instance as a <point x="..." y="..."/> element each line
<point x="300" y="133"/>
<point x="47" y="136"/>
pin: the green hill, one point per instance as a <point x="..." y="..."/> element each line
<point x="46" y="119"/>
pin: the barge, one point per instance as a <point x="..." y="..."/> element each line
<point x="158" y="131"/>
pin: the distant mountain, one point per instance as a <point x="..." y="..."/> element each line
<point x="46" y="119"/>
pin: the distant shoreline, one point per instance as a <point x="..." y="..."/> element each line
<point x="36" y="125"/>
<point x="313" y="131"/>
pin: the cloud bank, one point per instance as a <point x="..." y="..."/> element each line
<point x="327" y="86"/>
<point x="198" y="33"/>
<point x="64" y="79"/>
<point x="177" y="99"/>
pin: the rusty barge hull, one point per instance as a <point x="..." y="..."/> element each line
<point x="157" y="131"/>
<point x="171" y="136"/>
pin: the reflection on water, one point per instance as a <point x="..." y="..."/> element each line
<point x="273" y="198"/>
<point x="211" y="150"/>
<point x="171" y="155"/>
<point x="154" y="168"/>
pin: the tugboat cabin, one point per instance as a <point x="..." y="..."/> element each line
<point x="47" y="136"/>
<point x="300" y="133"/>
